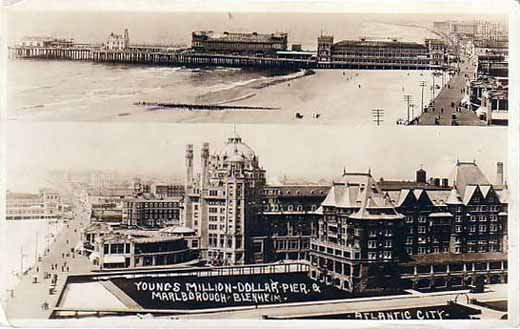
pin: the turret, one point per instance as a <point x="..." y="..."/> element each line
<point x="189" y="167"/>
<point x="204" y="162"/>
<point x="500" y="173"/>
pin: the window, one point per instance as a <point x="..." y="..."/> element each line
<point x="482" y="228"/>
<point x="387" y="255"/>
<point x="422" y="219"/>
<point x="372" y="233"/>
<point x="388" y="243"/>
<point x="409" y="240"/>
<point x="372" y="255"/>
<point x="372" y="243"/>
<point x="473" y="228"/>
<point x="422" y="251"/>
<point x="422" y="229"/>
<point x="458" y="228"/>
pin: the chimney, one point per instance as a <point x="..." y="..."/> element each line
<point x="500" y="173"/>
<point x="436" y="182"/>
<point x="445" y="182"/>
<point x="420" y="176"/>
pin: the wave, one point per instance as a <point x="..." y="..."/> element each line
<point x="231" y="85"/>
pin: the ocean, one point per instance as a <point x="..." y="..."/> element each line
<point x="43" y="90"/>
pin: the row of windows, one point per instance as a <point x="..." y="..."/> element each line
<point x="152" y="204"/>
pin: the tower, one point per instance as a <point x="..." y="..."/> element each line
<point x="126" y="39"/>
<point x="202" y="222"/>
<point x="325" y="43"/>
<point x="187" y="215"/>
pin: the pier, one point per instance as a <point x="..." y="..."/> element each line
<point x="189" y="58"/>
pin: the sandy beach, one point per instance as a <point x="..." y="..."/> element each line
<point x="330" y="93"/>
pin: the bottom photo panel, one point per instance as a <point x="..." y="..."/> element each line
<point x="204" y="222"/>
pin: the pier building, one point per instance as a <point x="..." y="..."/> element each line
<point x="256" y="44"/>
<point x="376" y="52"/>
<point x="117" y="41"/>
<point x="45" y="42"/>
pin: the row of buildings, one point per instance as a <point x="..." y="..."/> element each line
<point x="45" y="205"/>
<point x="363" y="51"/>
<point x="358" y="234"/>
<point x="360" y="53"/>
<point x="485" y="45"/>
<point x="487" y="89"/>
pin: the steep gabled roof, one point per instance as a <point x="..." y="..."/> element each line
<point x="468" y="193"/>
<point x="468" y="173"/>
<point x="454" y="197"/>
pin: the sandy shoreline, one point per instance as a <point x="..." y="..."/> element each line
<point x="248" y="90"/>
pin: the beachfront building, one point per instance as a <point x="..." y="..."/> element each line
<point x="110" y="247"/>
<point x="222" y="203"/>
<point x="46" y="205"/>
<point x="375" y="52"/>
<point x="488" y="97"/>
<point x="167" y="190"/>
<point x="420" y="237"/>
<point x="240" y="219"/>
<point x="289" y="216"/>
<point x="148" y="211"/>
<point x="251" y="44"/>
<point x="438" y="51"/>
<point x="494" y="106"/>
<point x="356" y="244"/>
<point x="117" y="42"/>
<point x="480" y="47"/>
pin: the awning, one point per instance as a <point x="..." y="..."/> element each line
<point x="93" y="255"/>
<point x="113" y="259"/>
<point x="464" y="100"/>
<point x="480" y="111"/>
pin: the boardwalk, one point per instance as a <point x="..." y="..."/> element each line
<point x="452" y="93"/>
<point x="29" y="297"/>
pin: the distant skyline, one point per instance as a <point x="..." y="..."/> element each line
<point x="313" y="153"/>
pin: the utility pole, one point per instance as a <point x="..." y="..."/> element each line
<point x="422" y="84"/>
<point x="378" y="115"/>
<point x="433" y="85"/>
<point x="407" y="99"/>
<point x="413" y="114"/>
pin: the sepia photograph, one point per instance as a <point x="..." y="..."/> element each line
<point x="188" y="164"/>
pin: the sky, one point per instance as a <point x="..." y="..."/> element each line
<point x="310" y="152"/>
<point x="379" y="6"/>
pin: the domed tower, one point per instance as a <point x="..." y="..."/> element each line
<point x="227" y="201"/>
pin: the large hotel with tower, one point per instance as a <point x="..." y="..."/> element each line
<point x="358" y="234"/>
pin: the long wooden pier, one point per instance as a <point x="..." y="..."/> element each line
<point x="187" y="57"/>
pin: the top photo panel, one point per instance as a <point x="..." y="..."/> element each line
<point x="263" y="66"/>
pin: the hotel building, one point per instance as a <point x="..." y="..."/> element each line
<point x="369" y="239"/>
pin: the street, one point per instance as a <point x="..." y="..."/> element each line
<point x="445" y="105"/>
<point x="32" y="300"/>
